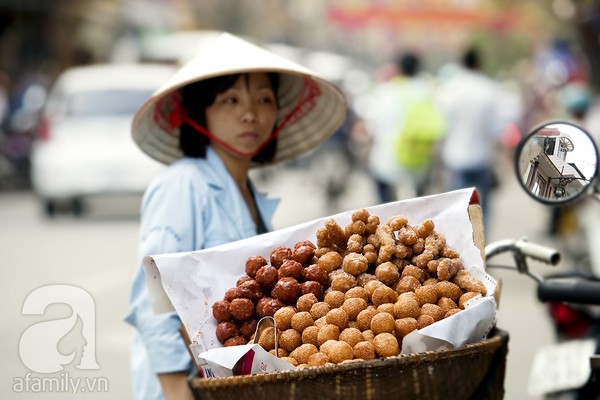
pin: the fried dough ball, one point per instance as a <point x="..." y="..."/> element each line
<point x="371" y="285"/>
<point x="317" y="359"/>
<point x="363" y="319"/>
<point x="448" y="289"/>
<point x="352" y="306"/>
<point x="364" y="278"/>
<point x="248" y="328"/>
<point x="387" y="273"/>
<point x="315" y="273"/>
<point x="303" y="252"/>
<point x="283" y="317"/>
<point x="426" y="294"/>
<point x="446" y="304"/>
<point x="337" y="317"/>
<point x="408" y="295"/>
<point x="287" y="290"/>
<point x="384" y="294"/>
<point x="303" y="352"/>
<point x="267" y="306"/>
<point x="386" y="308"/>
<point x="267" y="339"/>
<point x="279" y="255"/>
<point x="425" y="320"/>
<point x="289" y="340"/>
<point x="319" y="310"/>
<point x="368" y="335"/>
<point x="232" y="293"/>
<point x="302" y="320"/>
<point x="242" y="309"/>
<point x="403" y="251"/>
<point x="372" y="224"/>
<point x="407" y="307"/>
<point x="280" y="353"/>
<point x="242" y="279"/>
<point x="351" y="336"/>
<point x="328" y="332"/>
<point x="335" y="298"/>
<point x="221" y="310"/>
<point x="469" y="283"/>
<point x="311" y="335"/>
<point x="355" y="264"/>
<point x="306" y="301"/>
<point x="382" y="322"/>
<point x="361" y="214"/>
<point x="370" y="254"/>
<point x="407" y="235"/>
<point x="431" y="281"/>
<point x="292" y="269"/>
<point x="226" y="330"/>
<point x="250" y="289"/>
<point x="448" y="267"/>
<point x="404" y="326"/>
<point x="466" y="297"/>
<point x="355" y="243"/>
<point x="418" y="273"/>
<point x="386" y="345"/>
<point x="253" y="263"/>
<point x="364" y="350"/>
<point x="407" y="283"/>
<point x="312" y="287"/>
<point x="235" y="341"/>
<point x="340" y="351"/>
<point x="343" y="281"/>
<point x="326" y="346"/>
<point x="267" y="276"/>
<point x="451" y="312"/>
<point x="330" y="261"/>
<point x="290" y="360"/>
<point x="433" y="310"/>
<point x="358" y="292"/>
<point x="321" y="322"/>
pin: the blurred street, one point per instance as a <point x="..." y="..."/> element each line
<point x="97" y="253"/>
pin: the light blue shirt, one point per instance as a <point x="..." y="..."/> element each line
<point x="193" y="204"/>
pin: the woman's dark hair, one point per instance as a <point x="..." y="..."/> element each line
<point x="198" y="96"/>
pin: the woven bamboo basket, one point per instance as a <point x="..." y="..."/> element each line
<point x="474" y="371"/>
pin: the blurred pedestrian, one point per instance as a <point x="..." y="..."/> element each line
<point x="472" y="103"/>
<point x="233" y="107"/>
<point x="405" y="125"/>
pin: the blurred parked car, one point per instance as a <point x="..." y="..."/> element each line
<point x="84" y="145"/>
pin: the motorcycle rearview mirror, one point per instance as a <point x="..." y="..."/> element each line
<point x="557" y="162"/>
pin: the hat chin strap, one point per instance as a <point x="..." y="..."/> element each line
<point x="213" y="138"/>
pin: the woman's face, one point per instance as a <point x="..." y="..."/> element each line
<point x="243" y="116"/>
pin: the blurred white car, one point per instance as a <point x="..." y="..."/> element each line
<point x="84" y="146"/>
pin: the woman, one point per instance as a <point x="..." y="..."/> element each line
<point x="233" y="107"/>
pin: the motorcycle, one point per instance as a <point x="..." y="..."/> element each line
<point x="557" y="165"/>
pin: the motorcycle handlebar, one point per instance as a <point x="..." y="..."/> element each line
<point x="571" y="290"/>
<point x="538" y="252"/>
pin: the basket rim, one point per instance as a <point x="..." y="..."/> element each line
<point x="488" y="345"/>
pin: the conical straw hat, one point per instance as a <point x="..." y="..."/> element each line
<point x="311" y="108"/>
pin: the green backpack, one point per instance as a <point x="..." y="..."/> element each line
<point x="423" y="126"/>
